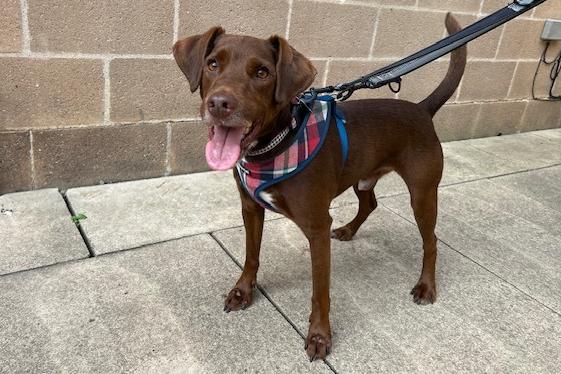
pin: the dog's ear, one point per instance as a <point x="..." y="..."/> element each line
<point x="190" y="54"/>
<point x="295" y="72"/>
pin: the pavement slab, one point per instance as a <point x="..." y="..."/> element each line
<point x="513" y="232"/>
<point x="486" y="157"/>
<point x="541" y="185"/>
<point x="130" y="214"/>
<point x="551" y="134"/>
<point x="36" y="230"/>
<point x="152" y="310"/>
<point x="480" y="323"/>
<point x="528" y="150"/>
<point x="464" y="162"/>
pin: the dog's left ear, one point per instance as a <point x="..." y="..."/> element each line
<point x="295" y="72"/>
<point x="190" y="54"/>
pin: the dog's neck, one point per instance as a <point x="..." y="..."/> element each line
<point x="277" y="125"/>
<point x="276" y="137"/>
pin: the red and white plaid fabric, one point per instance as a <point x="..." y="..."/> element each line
<point x="257" y="176"/>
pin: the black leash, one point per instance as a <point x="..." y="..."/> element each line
<point x="392" y="74"/>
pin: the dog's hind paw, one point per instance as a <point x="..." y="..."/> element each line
<point x="343" y="233"/>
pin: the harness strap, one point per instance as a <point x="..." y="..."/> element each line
<point x="341" y="122"/>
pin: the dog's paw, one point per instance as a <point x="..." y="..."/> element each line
<point x="424" y="294"/>
<point x="238" y="299"/>
<point x="343" y="233"/>
<point x="318" y="344"/>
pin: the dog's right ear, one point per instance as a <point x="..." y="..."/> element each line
<point x="190" y="54"/>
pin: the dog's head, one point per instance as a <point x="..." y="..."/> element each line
<point x="244" y="83"/>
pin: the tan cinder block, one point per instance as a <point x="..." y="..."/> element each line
<point x="314" y="32"/>
<point x="523" y="77"/>
<point x="499" y="118"/>
<point x="419" y="84"/>
<point x="490" y="6"/>
<point x="10" y="26"/>
<point x="388" y="2"/>
<point x="15" y="161"/>
<point x="255" y="18"/>
<point x="101" y="26"/>
<point x="344" y="71"/>
<point x="401" y="32"/>
<point x="146" y="89"/>
<point x="455" y="121"/>
<point x="486" y="80"/>
<point x="549" y="9"/>
<point x="452" y="5"/>
<point x="521" y="39"/>
<point x="99" y="154"/>
<point x="187" y="148"/>
<point x="484" y="46"/>
<point x="320" y="67"/>
<point x="541" y="115"/>
<point x="55" y="92"/>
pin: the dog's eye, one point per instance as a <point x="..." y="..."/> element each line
<point x="262" y="72"/>
<point x="212" y="64"/>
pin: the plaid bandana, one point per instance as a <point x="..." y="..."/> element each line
<point x="256" y="177"/>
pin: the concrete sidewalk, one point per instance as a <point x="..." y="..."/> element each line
<point x="139" y="286"/>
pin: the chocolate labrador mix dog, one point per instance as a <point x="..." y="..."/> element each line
<point x="248" y="87"/>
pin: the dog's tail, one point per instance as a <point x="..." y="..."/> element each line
<point x="455" y="71"/>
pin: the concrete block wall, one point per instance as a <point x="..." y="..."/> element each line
<point x="90" y="92"/>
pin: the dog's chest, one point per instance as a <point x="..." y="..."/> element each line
<point x="257" y="177"/>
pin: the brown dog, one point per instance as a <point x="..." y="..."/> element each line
<point x="247" y="85"/>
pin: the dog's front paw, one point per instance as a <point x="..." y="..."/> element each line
<point x="238" y="299"/>
<point x="318" y="343"/>
<point x="424" y="293"/>
<point x="343" y="233"/>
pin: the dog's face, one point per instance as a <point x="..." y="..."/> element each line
<point x="244" y="83"/>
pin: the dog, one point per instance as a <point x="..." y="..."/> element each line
<point x="248" y="87"/>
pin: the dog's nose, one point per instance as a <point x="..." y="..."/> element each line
<point x="221" y="105"/>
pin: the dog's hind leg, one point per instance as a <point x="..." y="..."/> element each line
<point x="424" y="203"/>
<point x="422" y="177"/>
<point x="366" y="205"/>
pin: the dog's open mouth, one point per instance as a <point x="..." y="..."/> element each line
<point x="226" y="143"/>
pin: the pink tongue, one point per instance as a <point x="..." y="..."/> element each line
<point x="223" y="150"/>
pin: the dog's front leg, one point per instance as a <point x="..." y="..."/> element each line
<point x="240" y="297"/>
<point x="318" y="342"/>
